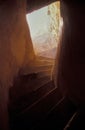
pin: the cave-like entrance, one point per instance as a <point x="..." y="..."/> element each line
<point x="45" y="25"/>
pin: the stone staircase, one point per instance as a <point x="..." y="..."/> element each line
<point x="33" y="96"/>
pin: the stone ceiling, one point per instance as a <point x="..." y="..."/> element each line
<point x="36" y="4"/>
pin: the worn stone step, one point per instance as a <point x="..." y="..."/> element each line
<point x="36" y="69"/>
<point x="44" y="73"/>
<point x="28" y="99"/>
<point x="41" y="58"/>
<point x="25" y="85"/>
<point x="40" y="74"/>
<point x="50" y="98"/>
<point x="43" y="61"/>
<point x="32" y="115"/>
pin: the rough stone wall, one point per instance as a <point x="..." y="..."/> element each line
<point x="70" y="70"/>
<point x="16" y="50"/>
<point x="54" y="13"/>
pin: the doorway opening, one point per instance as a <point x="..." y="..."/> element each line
<point x="45" y="25"/>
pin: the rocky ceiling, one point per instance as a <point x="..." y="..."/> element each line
<point x="36" y="4"/>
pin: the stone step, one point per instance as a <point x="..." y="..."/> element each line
<point x="58" y="116"/>
<point x="32" y="115"/>
<point x="44" y="73"/>
<point x="41" y="58"/>
<point x="37" y="69"/>
<point x="42" y="68"/>
<point x="43" y="61"/>
<point x="30" y="98"/>
<point x="25" y="85"/>
<point x="40" y="74"/>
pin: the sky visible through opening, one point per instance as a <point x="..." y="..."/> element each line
<point x="38" y="21"/>
<point x="43" y="40"/>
